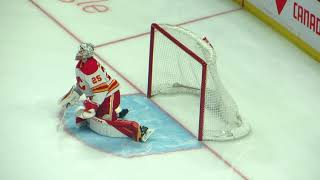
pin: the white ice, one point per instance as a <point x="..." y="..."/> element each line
<point x="275" y="84"/>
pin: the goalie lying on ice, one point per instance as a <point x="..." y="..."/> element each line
<point x="101" y="109"/>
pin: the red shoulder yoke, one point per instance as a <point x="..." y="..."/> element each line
<point x="88" y="67"/>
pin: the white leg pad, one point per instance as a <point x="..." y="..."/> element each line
<point x="103" y="128"/>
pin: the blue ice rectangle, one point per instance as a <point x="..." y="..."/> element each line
<point x="169" y="136"/>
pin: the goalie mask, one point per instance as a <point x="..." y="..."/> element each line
<point x="85" y="51"/>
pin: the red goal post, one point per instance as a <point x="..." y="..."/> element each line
<point x="181" y="62"/>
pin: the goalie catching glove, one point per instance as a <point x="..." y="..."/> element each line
<point x="71" y="98"/>
<point x="88" y="110"/>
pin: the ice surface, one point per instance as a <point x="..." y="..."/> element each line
<point x="274" y="83"/>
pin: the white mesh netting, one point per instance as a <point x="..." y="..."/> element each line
<point x="176" y="72"/>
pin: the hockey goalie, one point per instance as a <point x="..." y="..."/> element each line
<point x="101" y="110"/>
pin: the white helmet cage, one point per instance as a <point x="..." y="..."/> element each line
<point x="86" y="50"/>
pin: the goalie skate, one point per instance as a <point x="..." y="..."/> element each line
<point x="145" y="133"/>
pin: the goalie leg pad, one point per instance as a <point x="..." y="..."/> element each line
<point x="100" y="126"/>
<point x="127" y="127"/>
<point x="117" y="128"/>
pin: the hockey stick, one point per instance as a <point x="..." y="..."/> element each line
<point x="60" y="125"/>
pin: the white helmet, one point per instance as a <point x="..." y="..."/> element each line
<point x="85" y="51"/>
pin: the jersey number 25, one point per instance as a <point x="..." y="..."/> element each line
<point x="96" y="79"/>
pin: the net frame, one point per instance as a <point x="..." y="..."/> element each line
<point x="236" y="133"/>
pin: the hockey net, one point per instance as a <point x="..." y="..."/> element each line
<point x="181" y="63"/>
